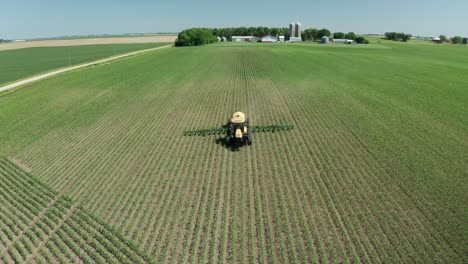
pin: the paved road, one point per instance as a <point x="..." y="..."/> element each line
<point x="52" y="73"/>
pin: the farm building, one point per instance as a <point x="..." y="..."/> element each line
<point x="324" y="40"/>
<point x="295" y="30"/>
<point x="437" y="40"/>
<point x="298" y="30"/>
<point x="243" y="38"/>
<point x="268" y="39"/>
<point x="345" y="41"/>
<point x="292" y="30"/>
<point x="295" y="39"/>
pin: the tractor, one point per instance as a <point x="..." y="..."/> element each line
<point x="238" y="131"/>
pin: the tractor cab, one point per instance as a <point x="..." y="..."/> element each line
<point x="238" y="130"/>
<point x="238" y="117"/>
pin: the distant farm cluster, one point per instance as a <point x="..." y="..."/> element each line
<point x="293" y="33"/>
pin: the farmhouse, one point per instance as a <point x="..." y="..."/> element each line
<point x="243" y="38"/>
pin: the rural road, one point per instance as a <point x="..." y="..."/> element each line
<point x="55" y="72"/>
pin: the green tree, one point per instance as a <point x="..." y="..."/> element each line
<point x="314" y="34"/>
<point x="274" y="32"/>
<point x="395" y="36"/>
<point x="310" y="34"/>
<point x="338" y="35"/>
<point x="362" y="40"/>
<point x="406" y="37"/>
<point x="195" y="37"/>
<point x="323" y="32"/>
<point x="350" y="35"/>
<point x="465" y="41"/>
<point x="443" y="38"/>
<point x="457" y="40"/>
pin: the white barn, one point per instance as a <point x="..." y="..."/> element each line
<point x="243" y="38"/>
<point x="268" y="39"/>
<point x="345" y="41"/>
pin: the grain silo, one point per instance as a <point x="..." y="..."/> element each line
<point x="292" y="30"/>
<point x="324" y="40"/>
<point x="298" y="30"/>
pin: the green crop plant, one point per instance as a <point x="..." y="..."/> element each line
<point x="358" y="136"/>
<point x="22" y="63"/>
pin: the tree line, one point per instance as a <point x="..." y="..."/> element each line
<point x="249" y="31"/>
<point x="195" y="37"/>
<point x="459" y="40"/>
<point x="406" y="37"/>
<point x="313" y="34"/>
<point x="201" y="36"/>
<point x="455" y="40"/>
<point x="396" y="36"/>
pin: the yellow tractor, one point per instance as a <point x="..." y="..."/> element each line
<point x="238" y="130"/>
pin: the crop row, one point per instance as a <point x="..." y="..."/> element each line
<point x="316" y="193"/>
<point x="38" y="225"/>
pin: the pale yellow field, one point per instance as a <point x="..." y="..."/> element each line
<point x="87" y="41"/>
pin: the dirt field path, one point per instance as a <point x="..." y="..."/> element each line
<point x="55" y="72"/>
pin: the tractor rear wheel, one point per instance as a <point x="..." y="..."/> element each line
<point x="249" y="136"/>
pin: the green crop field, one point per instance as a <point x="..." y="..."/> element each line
<point x="22" y="63"/>
<point x="374" y="170"/>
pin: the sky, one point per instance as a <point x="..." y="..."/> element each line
<point x="26" y="19"/>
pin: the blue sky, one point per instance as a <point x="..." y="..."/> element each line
<point x="48" y="18"/>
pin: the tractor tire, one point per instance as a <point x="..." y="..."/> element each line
<point x="249" y="136"/>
